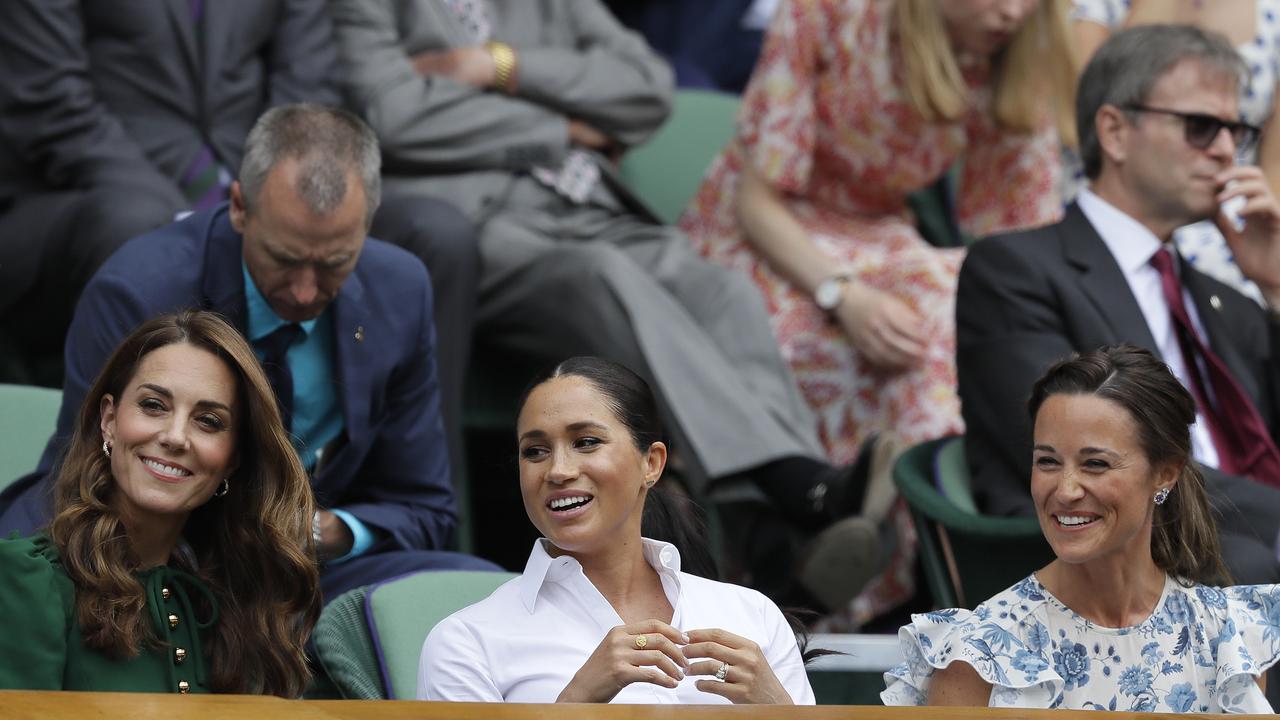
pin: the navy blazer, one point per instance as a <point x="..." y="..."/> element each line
<point x="1028" y="299"/>
<point x="389" y="467"/>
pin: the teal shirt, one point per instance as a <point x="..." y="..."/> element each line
<point x="42" y="646"/>
<point x="317" y="414"/>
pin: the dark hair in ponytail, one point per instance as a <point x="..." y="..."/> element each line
<point x="1184" y="538"/>
<point x="669" y="515"/>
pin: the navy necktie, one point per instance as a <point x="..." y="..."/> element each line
<point x="275" y="363"/>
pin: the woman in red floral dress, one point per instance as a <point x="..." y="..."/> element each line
<point x="841" y="121"/>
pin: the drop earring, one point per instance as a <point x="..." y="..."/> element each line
<point x="1161" y="495"/>
<point x="106" y="448"/>
<point x="226" y="488"/>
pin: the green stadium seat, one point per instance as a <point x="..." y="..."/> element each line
<point x="28" y="417"/>
<point x="957" y="542"/>
<point x="402" y="613"/>
<point x="667" y="170"/>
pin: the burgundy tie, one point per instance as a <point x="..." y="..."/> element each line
<point x="1241" y="437"/>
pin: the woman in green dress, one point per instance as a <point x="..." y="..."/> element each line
<point x="179" y="558"/>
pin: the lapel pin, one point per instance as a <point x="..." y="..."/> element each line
<point x="360" y="330"/>
<point x="1215" y="303"/>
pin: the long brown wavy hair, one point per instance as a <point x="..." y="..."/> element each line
<point x="251" y="546"/>
<point x="1184" y="536"/>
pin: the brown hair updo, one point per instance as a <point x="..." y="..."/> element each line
<point x="1184" y="540"/>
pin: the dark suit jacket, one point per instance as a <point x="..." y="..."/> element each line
<point x="1028" y="299"/>
<point x="96" y="91"/>
<point x="390" y="467"/>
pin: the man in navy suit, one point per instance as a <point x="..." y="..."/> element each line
<point x="343" y="320"/>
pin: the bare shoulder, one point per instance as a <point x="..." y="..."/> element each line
<point x="959" y="684"/>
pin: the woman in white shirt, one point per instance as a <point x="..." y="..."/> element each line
<point x="600" y="613"/>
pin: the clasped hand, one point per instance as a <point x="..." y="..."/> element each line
<point x="666" y="656"/>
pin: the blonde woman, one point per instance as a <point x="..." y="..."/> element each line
<point x="854" y="105"/>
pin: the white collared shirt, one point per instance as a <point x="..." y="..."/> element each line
<point x="525" y="642"/>
<point x="1133" y="246"/>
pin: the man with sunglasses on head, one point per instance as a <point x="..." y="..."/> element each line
<point x="1158" y="120"/>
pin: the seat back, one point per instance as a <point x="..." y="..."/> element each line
<point x="667" y="170"/>
<point x="344" y="647"/>
<point x="402" y="612"/>
<point x="28" y="417"/>
<point x="957" y="542"/>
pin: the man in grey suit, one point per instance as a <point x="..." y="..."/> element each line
<point x="513" y="110"/>
<point x="117" y="114"/>
<point x="1158" y="118"/>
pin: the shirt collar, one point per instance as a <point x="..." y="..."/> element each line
<point x="262" y="319"/>
<point x="1129" y="241"/>
<point x="542" y="567"/>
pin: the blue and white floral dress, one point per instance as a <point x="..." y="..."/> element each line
<point x="1200" y="651"/>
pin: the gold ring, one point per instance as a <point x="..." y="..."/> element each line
<point x="641" y="642"/>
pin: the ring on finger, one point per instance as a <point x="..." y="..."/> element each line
<point x="723" y="672"/>
<point x="642" y="641"/>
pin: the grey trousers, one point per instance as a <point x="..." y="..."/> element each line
<point x="560" y="279"/>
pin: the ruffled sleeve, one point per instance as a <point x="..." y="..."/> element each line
<point x="37" y="600"/>
<point x="1002" y="640"/>
<point x="1247" y="643"/>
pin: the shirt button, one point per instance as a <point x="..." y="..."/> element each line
<point x="184" y="687"/>
<point x="164" y="593"/>
<point x="173" y="621"/>
<point x="179" y="655"/>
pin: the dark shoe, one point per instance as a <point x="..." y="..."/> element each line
<point x="840" y="561"/>
<point x="863" y="488"/>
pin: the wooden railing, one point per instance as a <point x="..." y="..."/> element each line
<point x="28" y="705"/>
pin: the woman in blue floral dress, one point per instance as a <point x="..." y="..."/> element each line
<point x="1137" y="612"/>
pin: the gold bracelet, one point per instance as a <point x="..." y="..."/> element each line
<point x="504" y="66"/>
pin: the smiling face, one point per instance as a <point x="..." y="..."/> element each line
<point x="298" y="258"/>
<point x="173" y="434"/>
<point x="983" y="27"/>
<point x="1092" y="483"/>
<point x="582" y="477"/>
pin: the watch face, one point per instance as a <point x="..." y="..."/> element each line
<point x="828" y="294"/>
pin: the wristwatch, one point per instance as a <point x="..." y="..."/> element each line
<point x="830" y="292"/>
<point x="504" y="65"/>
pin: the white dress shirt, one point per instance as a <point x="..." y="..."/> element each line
<point x="525" y="642"/>
<point x="1133" y="246"/>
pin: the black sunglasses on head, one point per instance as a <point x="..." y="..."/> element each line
<point x="1200" y="130"/>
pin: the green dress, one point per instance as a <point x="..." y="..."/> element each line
<point x="42" y="646"/>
